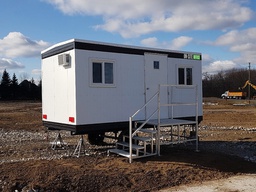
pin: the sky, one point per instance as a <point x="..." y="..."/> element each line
<point x="224" y="31"/>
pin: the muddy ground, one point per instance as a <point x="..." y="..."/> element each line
<point x="27" y="162"/>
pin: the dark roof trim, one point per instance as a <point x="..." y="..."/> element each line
<point x="58" y="50"/>
<point x="108" y="48"/>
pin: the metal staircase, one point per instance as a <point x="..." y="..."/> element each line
<point x="142" y="144"/>
<point x="145" y="140"/>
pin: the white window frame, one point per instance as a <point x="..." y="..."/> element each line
<point x="102" y="84"/>
<point x="185" y="75"/>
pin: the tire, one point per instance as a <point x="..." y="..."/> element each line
<point x="96" y="138"/>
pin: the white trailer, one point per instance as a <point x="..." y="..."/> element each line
<point x="93" y="87"/>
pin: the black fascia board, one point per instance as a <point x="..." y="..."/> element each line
<point x="123" y="50"/>
<point x="107" y="48"/>
<point x="58" y="50"/>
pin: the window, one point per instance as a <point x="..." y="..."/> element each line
<point x="156" y="65"/>
<point x="109" y="76"/>
<point x="102" y="73"/>
<point x="189" y="76"/>
<point x="97" y="72"/>
<point x="185" y="76"/>
<point x="181" y="76"/>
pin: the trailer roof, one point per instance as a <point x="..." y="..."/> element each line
<point x="114" y="48"/>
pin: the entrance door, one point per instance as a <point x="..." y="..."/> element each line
<point x="155" y="74"/>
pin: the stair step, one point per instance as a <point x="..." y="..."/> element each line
<point x="121" y="152"/>
<point x="146" y="130"/>
<point x="125" y="144"/>
<point x="144" y="139"/>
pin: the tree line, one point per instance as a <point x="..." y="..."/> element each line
<point x="11" y="89"/>
<point x="231" y="80"/>
<point x="213" y="85"/>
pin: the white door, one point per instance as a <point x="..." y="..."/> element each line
<point x="155" y="74"/>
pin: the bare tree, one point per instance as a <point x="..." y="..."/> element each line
<point x="24" y="76"/>
<point x="232" y="80"/>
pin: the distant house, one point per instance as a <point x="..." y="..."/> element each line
<point x="28" y="90"/>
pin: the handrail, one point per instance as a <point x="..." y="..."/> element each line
<point x="130" y="123"/>
<point x="132" y="134"/>
<point x="145" y="104"/>
<point x="181" y="86"/>
<point x="145" y="122"/>
<point x="176" y="104"/>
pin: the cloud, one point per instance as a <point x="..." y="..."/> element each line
<point x="180" y="42"/>
<point x="15" y="44"/>
<point x="207" y="58"/>
<point x="175" y="44"/>
<point x="212" y="66"/>
<point x="235" y="37"/>
<point x="133" y="18"/>
<point x="9" y="64"/>
<point x="217" y="66"/>
<point x="36" y="71"/>
<point x="243" y="42"/>
<point x="150" y="42"/>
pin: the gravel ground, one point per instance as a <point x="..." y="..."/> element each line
<point x="27" y="162"/>
<point x="15" y="146"/>
<point x="241" y="148"/>
<point x="16" y="141"/>
<point x="242" y="183"/>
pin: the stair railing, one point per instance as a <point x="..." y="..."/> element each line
<point x="132" y="134"/>
<point x="159" y="105"/>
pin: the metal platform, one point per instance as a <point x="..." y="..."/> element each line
<point x="169" y="122"/>
<point x="161" y="131"/>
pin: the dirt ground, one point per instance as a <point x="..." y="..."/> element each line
<point x="27" y="161"/>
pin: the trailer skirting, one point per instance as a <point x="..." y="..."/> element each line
<point x="98" y="127"/>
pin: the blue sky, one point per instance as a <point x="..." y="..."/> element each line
<point x="224" y="31"/>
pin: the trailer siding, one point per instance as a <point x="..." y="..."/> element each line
<point x="97" y="104"/>
<point x="71" y="101"/>
<point x="58" y="90"/>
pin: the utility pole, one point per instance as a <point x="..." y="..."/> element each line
<point x="249" y="78"/>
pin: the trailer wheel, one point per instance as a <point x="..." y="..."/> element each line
<point x="96" y="138"/>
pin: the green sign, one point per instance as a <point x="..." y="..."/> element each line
<point x="197" y="57"/>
